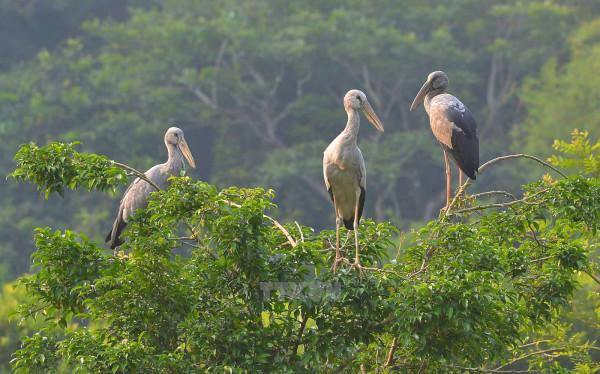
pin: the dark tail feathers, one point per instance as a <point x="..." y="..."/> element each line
<point x="471" y="174"/>
<point x="114" y="235"/>
<point x="349" y="224"/>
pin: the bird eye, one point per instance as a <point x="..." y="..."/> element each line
<point x="359" y="98"/>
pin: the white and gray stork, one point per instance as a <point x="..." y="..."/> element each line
<point x="453" y="126"/>
<point x="136" y="195"/>
<point x="345" y="173"/>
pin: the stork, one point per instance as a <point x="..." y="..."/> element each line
<point x="345" y="173"/>
<point x="452" y="125"/>
<point x="136" y="195"/>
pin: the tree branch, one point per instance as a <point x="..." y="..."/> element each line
<point x="483" y="167"/>
<point x="390" y="356"/>
<point x="275" y="223"/>
<point x="544" y="351"/>
<point x="498" y="205"/>
<point x="138" y="174"/>
<point x="218" y="62"/>
<point x="593" y="276"/>
<point x="300" y="333"/>
<point x="488" y="193"/>
<point x="519" y="155"/>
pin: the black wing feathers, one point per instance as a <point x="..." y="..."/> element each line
<point x="465" y="144"/>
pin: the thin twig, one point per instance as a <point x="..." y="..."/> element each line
<point x="478" y="370"/>
<point x="190" y="244"/>
<point x="593" y="276"/>
<point x="275" y="223"/>
<point x="137" y="173"/>
<point x="390" y="356"/>
<point x="519" y="155"/>
<point x="300" y="231"/>
<point x="488" y="193"/>
<point x="493" y="161"/>
<point x="499" y="205"/>
<point x="540" y="259"/>
<point x="300" y="333"/>
<point x="521" y="358"/>
<point x="535" y="343"/>
<point x="380" y="270"/>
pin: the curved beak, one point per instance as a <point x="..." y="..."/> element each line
<point x="371" y="116"/>
<point x="421" y="95"/>
<point x="185" y="150"/>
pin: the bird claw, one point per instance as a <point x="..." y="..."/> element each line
<point x="459" y="193"/>
<point x="444" y="211"/>
<point x="336" y="262"/>
<point x="358" y="266"/>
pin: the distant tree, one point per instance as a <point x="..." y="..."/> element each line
<point x="564" y="95"/>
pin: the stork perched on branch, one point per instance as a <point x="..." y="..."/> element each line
<point x="136" y="195"/>
<point x="453" y="126"/>
<point x="345" y="173"/>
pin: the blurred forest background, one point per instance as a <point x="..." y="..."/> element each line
<point x="257" y="88"/>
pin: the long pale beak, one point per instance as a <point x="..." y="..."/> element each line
<point x="371" y="116"/>
<point x="185" y="150"/>
<point x="421" y="95"/>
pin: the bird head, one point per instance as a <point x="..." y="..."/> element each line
<point x="436" y="81"/>
<point x="357" y="100"/>
<point x="174" y="136"/>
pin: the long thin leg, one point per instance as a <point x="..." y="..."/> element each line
<point x="355" y="226"/>
<point x="447" y="179"/>
<point x="460" y="183"/>
<point x="338" y="223"/>
<point x="338" y="255"/>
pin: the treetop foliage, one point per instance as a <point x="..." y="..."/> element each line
<point x="465" y="291"/>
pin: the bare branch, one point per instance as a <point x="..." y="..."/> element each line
<point x="138" y="174"/>
<point x="218" y="62"/>
<point x="540" y="259"/>
<point x="483" y="167"/>
<point x="519" y="155"/>
<point x="390" y="356"/>
<point x="538" y="342"/>
<point x="300" y="231"/>
<point x="366" y="76"/>
<point x="257" y="76"/>
<point x="316" y="187"/>
<point x="488" y="193"/>
<point x="275" y="86"/>
<point x="197" y="91"/>
<point x="499" y="205"/>
<point x="521" y="358"/>
<point x="283" y="113"/>
<point x="300" y="84"/>
<point x="593" y="276"/>
<point x="203" y="97"/>
<point x="275" y="223"/>
<point x="300" y="333"/>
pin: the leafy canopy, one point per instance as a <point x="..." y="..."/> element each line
<point x="465" y="291"/>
